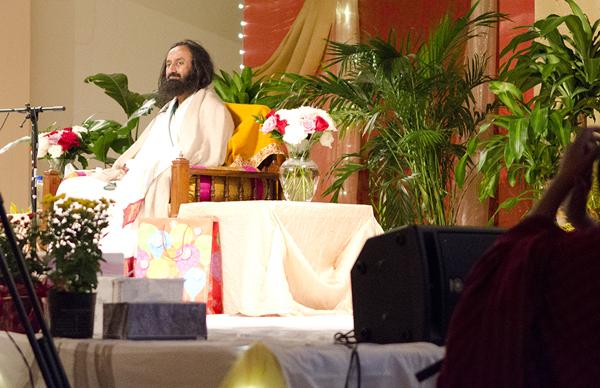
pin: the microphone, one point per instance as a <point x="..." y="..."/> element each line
<point x="28" y="108"/>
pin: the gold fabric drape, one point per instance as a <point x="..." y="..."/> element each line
<point x="346" y="31"/>
<point x="301" y="51"/>
<point x="248" y="146"/>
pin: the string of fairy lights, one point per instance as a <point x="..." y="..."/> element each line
<point x="241" y="35"/>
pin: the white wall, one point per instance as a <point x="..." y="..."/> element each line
<point x="15" y="37"/>
<point x="72" y="39"/>
<point x="544" y="8"/>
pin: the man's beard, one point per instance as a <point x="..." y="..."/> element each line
<point x="175" y="86"/>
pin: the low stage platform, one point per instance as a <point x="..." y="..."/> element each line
<point x="240" y="351"/>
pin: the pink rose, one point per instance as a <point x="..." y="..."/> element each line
<point x="308" y="124"/>
<point x="269" y="125"/>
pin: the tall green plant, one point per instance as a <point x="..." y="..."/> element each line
<point x="561" y="62"/>
<point x="240" y="88"/>
<point x="412" y="104"/>
<point x="107" y="135"/>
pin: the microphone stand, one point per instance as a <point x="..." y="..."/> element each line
<point x="43" y="348"/>
<point x="32" y="114"/>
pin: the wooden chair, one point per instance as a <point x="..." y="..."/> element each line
<point x="222" y="183"/>
<point x="197" y="184"/>
<point x="248" y="149"/>
<point x="51" y="181"/>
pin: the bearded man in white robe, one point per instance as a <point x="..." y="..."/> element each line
<point x="195" y="124"/>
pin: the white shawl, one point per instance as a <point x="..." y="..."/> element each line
<point x="198" y="131"/>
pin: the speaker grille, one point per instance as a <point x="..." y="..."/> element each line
<point x="406" y="282"/>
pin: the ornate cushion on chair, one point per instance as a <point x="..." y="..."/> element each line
<point x="249" y="146"/>
<point x="251" y="166"/>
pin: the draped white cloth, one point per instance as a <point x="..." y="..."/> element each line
<point x="198" y="130"/>
<point x="282" y="258"/>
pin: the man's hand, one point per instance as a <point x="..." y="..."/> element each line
<point x="580" y="156"/>
<point x="576" y="204"/>
<point x="576" y="167"/>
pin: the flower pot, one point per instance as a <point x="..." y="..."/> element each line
<point x="71" y="314"/>
<point x="9" y="317"/>
<point x="299" y="175"/>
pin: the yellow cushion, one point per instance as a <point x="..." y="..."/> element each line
<point x="248" y="146"/>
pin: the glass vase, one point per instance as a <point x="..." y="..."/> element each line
<point x="58" y="165"/>
<point x="299" y="175"/>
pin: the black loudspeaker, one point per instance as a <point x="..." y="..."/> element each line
<point x="406" y="282"/>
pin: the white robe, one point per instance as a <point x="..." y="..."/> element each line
<point x="198" y="130"/>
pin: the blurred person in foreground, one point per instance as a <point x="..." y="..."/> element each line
<point x="529" y="315"/>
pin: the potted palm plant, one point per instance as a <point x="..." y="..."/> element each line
<point x="412" y="100"/>
<point x="71" y="232"/>
<point x="561" y="63"/>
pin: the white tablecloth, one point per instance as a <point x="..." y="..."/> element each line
<point x="251" y="351"/>
<point x="284" y="257"/>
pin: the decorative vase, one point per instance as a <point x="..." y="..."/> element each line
<point x="58" y="165"/>
<point x="71" y="314"/>
<point x="299" y="175"/>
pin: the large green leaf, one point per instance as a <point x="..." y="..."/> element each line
<point x="562" y="68"/>
<point x="7" y="147"/>
<point x="116" y="86"/>
<point x="539" y="121"/>
<point x="461" y="170"/>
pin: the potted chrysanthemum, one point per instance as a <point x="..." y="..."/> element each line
<point x="71" y="231"/>
<point x="300" y="129"/>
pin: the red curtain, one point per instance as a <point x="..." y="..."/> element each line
<point x="378" y="17"/>
<point x="267" y="22"/>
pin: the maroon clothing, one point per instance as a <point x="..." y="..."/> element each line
<point x="529" y="315"/>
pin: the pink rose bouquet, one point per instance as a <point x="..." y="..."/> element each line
<point x="301" y="125"/>
<point x="62" y="146"/>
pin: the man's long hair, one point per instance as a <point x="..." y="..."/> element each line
<point x="202" y="67"/>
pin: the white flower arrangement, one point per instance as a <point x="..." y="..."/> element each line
<point x="74" y="227"/>
<point x="57" y="142"/>
<point x="293" y="126"/>
<point x="63" y="147"/>
<point x="25" y="232"/>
